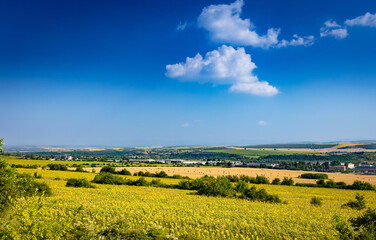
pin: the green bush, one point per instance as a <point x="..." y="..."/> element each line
<point x="107" y="169"/>
<point x="276" y="181"/>
<point x="108" y="178"/>
<point x="124" y="172"/>
<point x="241" y="186"/>
<point x="359" y="228"/>
<point x="287" y="181"/>
<point x="80" y="169"/>
<point x="219" y="186"/>
<point x="161" y="174"/>
<point x="314" y="176"/>
<point x="156" y="182"/>
<point x="14" y="185"/>
<point x="261" y="180"/>
<point x="140" y="182"/>
<point x="359" y="185"/>
<point x="57" y="166"/>
<point x="81" y="182"/>
<point x="316" y="201"/>
<point x="358" y="204"/>
<point x="260" y="195"/>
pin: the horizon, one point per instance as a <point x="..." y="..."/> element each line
<point x="187" y="73"/>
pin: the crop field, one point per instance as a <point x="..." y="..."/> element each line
<point x="22" y="161"/>
<point x="182" y="213"/>
<point x="252" y="153"/>
<point x="194" y="172"/>
<point x="53" y="174"/>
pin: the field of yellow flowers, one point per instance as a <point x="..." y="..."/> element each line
<point x="183" y="213"/>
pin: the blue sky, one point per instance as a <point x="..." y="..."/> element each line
<point x="116" y="73"/>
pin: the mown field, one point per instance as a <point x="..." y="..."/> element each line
<point x="182" y="213"/>
<point x="194" y="172"/>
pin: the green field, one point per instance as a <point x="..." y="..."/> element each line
<point x="257" y="153"/>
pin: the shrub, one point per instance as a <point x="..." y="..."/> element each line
<point x="233" y="178"/>
<point x="124" y="172"/>
<point x="161" y="174"/>
<point x="140" y="182"/>
<point x="276" y="181"/>
<point x="107" y="169"/>
<point x="81" y="182"/>
<point x="14" y="185"/>
<point x="261" y="180"/>
<point x="108" y="178"/>
<point x="219" y="186"/>
<point x="359" y="228"/>
<point x="287" y="181"/>
<point x="260" y="195"/>
<point x="359" y="185"/>
<point x="156" y="182"/>
<point x="246" y="178"/>
<point x="316" y="201"/>
<point x="358" y="204"/>
<point x="79" y="169"/>
<point x="241" y="186"/>
<point x="314" y="176"/>
<point x="57" y="166"/>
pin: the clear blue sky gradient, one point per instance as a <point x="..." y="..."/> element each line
<point x="93" y="73"/>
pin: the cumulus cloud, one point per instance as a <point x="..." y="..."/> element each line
<point x="262" y="123"/>
<point x="186" y="125"/>
<point x="368" y="20"/>
<point x="224" y="25"/>
<point x="225" y="65"/>
<point x="297" y="41"/>
<point x="333" y="29"/>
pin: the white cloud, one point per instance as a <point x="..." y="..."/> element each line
<point x="333" y="29"/>
<point x="262" y="123"/>
<point x="368" y="20"/>
<point x="225" y="26"/>
<point x="225" y="65"/>
<point x="297" y="41"/>
<point x="183" y="25"/>
<point x="186" y="125"/>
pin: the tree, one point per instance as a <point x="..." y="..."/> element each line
<point x="1" y="144"/>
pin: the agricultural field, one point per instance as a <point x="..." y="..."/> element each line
<point x="182" y="213"/>
<point x="185" y="215"/>
<point x="62" y="175"/>
<point x="22" y="161"/>
<point x="255" y="153"/>
<point x="194" y="172"/>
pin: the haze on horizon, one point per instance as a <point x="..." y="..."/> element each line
<point x="170" y="73"/>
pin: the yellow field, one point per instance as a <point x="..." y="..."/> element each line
<point x="195" y="172"/>
<point x="211" y="218"/>
<point x="52" y="174"/>
<point x="181" y="212"/>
